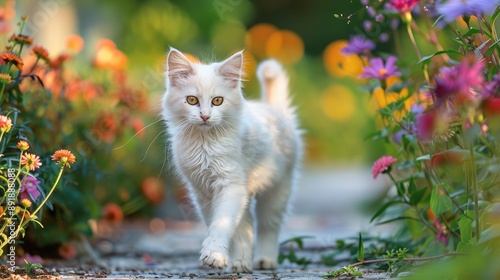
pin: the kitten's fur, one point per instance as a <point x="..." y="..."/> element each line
<point x="228" y="154"/>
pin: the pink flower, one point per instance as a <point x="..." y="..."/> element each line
<point x="29" y="188"/>
<point x="382" y="165"/>
<point x="403" y="6"/>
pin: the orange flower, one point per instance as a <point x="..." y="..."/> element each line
<point x="67" y="251"/>
<point x="58" y="62"/>
<point x="64" y="157"/>
<point x="23" y="145"/>
<point x="109" y="57"/>
<point x="21" y="39"/>
<point x="106" y="127"/>
<point x="153" y="189"/>
<point x="41" y="53"/>
<point x="74" y="43"/>
<point x="5" y="78"/>
<point x="77" y="90"/>
<point x="138" y="127"/>
<point x="31" y="161"/>
<point x="5" y="124"/>
<point x="112" y="213"/>
<point x="9" y="57"/>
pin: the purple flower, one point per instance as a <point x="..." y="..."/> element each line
<point x="453" y="9"/>
<point x="29" y="188"/>
<point x="459" y="82"/>
<point x="358" y="45"/>
<point x="377" y="69"/>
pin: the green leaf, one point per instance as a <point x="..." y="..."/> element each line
<point x="490" y="233"/>
<point x="492" y="48"/>
<point x="465" y="226"/>
<point x="382" y="208"/>
<point x="494" y="16"/>
<point x="429" y="57"/>
<point x="471" y="32"/>
<point x="424" y="157"/>
<point x="397" y="219"/>
<point x="361" y="249"/>
<point x="417" y="196"/>
<point x="440" y="201"/>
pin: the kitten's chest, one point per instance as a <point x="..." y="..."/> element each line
<point x="203" y="160"/>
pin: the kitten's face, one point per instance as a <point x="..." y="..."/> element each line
<point x="203" y="95"/>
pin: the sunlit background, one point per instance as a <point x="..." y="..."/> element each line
<point x="303" y="35"/>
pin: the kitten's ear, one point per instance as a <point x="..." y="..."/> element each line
<point x="178" y="66"/>
<point x="230" y="68"/>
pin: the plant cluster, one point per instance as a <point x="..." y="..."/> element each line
<point x="86" y="106"/>
<point x="439" y="112"/>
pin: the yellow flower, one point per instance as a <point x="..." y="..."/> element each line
<point x="5" y="123"/>
<point x="5" y="78"/>
<point x="31" y="161"/>
<point x="23" y="145"/>
<point x="26" y="202"/>
<point x="64" y="157"/>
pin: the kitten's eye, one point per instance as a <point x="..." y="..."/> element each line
<point x="217" y="101"/>
<point x="192" y="100"/>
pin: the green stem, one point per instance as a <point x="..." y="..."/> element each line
<point x="475" y="191"/>
<point x="50" y="192"/>
<point x="413" y="41"/>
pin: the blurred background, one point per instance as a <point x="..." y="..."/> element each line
<point x="336" y="113"/>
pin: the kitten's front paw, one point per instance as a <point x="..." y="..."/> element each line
<point x="213" y="259"/>
<point x="241" y="266"/>
<point x="265" y="263"/>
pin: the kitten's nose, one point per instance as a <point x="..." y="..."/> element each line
<point x="204" y="118"/>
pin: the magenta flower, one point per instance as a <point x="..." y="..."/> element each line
<point x="358" y="45"/>
<point x="382" y="165"/>
<point x="29" y="188"/>
<point x="453" y="9"/>
<point x="403" y="6"/>
<point x="377" y="69"/>
<point x="459" y="82"/>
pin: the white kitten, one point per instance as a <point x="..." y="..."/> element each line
<point x="228" y="150"/>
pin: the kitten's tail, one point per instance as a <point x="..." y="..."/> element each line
<point x="274" y="85"/>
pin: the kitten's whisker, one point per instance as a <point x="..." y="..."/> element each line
<point x="149" y="147"/>
<point x="142" y="129"/>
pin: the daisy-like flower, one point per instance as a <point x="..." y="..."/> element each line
<point x="9" y="57"/>
<point x="459" y="82"/>
<point x="31" y="161"/>
<point x="41" y="53"/>
<point x="23" y="145"/>
<point x="358" y="45"/>
<point x="5" y="78"/>
<point x="453" y="9"/>
<point x="64" y="157"/>
<point x="21" y="39"/>
<point x="29" y="188"/>
<point x="382" y="165"/>
<point x="26" y="203"/>
<point x="5" y="124"/>
<point x="377" y="69"/>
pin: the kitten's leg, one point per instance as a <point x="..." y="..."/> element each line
<point x="270" y="209"/>
<point x="227" y="209"/>
<point x="242" y="245"/>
